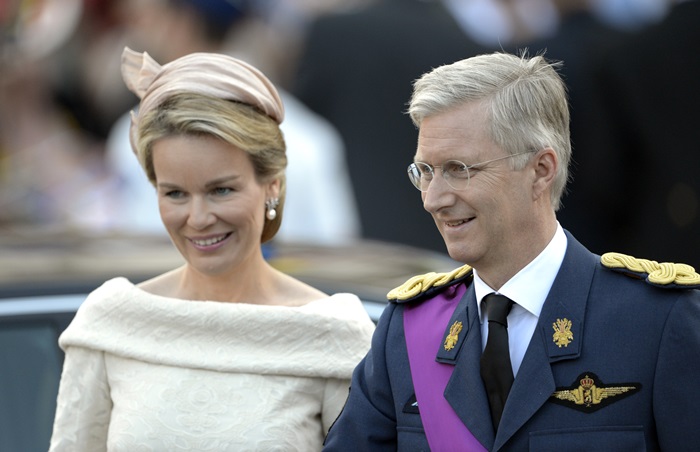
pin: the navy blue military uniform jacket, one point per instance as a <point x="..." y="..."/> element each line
<point x="628" y="378"/>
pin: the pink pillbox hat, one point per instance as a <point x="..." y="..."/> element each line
<point x="210" y="74"/>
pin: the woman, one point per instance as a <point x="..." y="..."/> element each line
<point x="225" y="352"/>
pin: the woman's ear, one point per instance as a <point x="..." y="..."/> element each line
<point x="546" y="164"/>
<point x="273" y="189"/>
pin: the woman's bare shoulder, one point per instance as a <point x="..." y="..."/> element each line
<point x="295" y="292"/>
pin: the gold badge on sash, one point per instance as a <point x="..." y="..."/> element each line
<point x="452" y="338"/>
<point x="562" y="332"/>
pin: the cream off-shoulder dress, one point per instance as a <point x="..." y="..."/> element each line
<point x="150" y="373"/>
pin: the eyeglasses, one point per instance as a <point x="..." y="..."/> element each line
<point x="455" y="173"/>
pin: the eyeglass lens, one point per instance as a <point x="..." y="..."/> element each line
<point x="455" y="173"/>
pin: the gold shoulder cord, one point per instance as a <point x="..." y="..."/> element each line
<point x="420" y="283"/>
<point x="658" y="273"/>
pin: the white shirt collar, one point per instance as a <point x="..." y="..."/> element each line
<point x="529" y="287"/>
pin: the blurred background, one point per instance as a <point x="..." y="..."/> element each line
<point x="75" y="208"/>
<point x="345" y="69"/>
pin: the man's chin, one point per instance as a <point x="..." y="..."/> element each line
<point x="458" y="253"/>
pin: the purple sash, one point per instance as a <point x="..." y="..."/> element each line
<point x="424" y="326"/>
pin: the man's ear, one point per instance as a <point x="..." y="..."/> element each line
<point x="545" y="167"/>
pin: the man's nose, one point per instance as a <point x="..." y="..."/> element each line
<point x="434" y="196"/>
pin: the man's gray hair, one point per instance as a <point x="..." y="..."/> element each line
<point x="526" y="99"/>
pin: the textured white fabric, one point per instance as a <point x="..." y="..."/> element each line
<point x="151" y="373"/>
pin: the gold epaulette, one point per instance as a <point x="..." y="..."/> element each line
<point x="422" y="283"/>
<point x="664" y="274"/>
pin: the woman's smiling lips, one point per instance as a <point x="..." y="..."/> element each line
<point x="210" y="242"/>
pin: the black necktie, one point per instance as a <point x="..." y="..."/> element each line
<point x="496" y="370"/>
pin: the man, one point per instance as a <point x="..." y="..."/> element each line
<point x="595" y="352"/>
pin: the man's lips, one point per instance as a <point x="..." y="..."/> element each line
<point x="457" y="222"/>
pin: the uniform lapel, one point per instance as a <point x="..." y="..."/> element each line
<point x="566" y="301"/>
<point x="465" y="390"/>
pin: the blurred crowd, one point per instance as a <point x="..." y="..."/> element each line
<point x="345" y="69"/>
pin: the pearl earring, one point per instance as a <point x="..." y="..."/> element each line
<point x="270" y="208"/>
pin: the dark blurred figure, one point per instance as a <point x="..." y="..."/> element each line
<point x="84" y="80"/>
<point x="579" y="41"/>
<point x="51" y="172"/>
<point x="648" y="191"/>
<point x="354" y="71"/>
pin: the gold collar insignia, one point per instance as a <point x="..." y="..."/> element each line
<point x="562" y="332"/>
<point x="452" y="338"/>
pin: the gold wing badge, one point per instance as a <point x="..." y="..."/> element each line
<point x="589" y="394"/>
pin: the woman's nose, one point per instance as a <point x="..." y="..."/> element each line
<point x="200" y="214"/>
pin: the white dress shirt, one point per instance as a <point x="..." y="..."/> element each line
<point x="528" y="289"/>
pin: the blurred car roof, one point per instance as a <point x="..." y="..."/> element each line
<point x="33" y="263"/>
